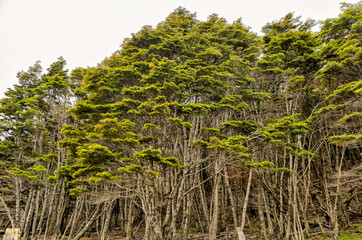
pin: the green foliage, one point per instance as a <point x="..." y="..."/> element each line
<point x="154" y="155"/>
<point x="340" y="139"/>
<point x="350" y="236"/>
<point x="286" y="24"/>
<point x="112" y="129"/>
<point x="22" y="173"/>
<point x="38" y="168"/>
<point x="102" y="177"/>
<point x="345" y="25"/>
<point x="264" y="164"/>
<point x="234" y="144"/>
<point x="50" y="158"/>
<point x="353" y="117"/>
<point x="178" y="122"/>
<point x="287" y="126"/>
<point x="346" y="90"/>
<point x="342" y="51"/>
<point x="77" y="191"/>
<point x="328" y="108"/>
<point x="245" y="126"/>
<point x="95" y="154"/>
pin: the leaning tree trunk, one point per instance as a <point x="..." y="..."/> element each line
<point x="88" y="223"/>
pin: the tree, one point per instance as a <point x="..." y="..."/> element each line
<point x="191" y="126"/>
<point x="31" y="119"/>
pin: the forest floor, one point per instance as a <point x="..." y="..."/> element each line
<point x="347" y="234"/>
<point x="192" y="236"/>
<point x="354" y="233"/>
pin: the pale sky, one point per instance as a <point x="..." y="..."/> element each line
<point x="84" y="32"/>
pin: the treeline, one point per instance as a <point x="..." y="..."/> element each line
<point x="192" y="126"/>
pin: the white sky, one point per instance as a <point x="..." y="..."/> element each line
<point x="84" y="32"/>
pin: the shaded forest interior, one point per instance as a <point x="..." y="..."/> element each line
<point x="191" y="127"/>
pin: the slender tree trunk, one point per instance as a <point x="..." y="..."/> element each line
<point x="35" y="216"/>
<point x="62" y="204"/>
<point x="215" y="210"/>
<point x="232" y="201"/>
<point x="8" y="211"/>
<point x="50" y="213"/>
<point x="26" y="229"/>
<point x="17" y="203"/>
<point x="130" y="219"/>
<point x="78" y="208"/>
<point x="43" y="211"/>
<point x="261" y="211"/>
<point x="187" y="213"/>
<point x="106" y="222"/>
<point x="268" y="213"/>
<point x="24" y="215"/>
<point x="338" y="193"/>
<point x="245" y="206"/>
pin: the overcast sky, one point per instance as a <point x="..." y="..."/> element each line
<point x="84" y="32"/>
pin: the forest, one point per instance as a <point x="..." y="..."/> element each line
<point x="191" y="128"/>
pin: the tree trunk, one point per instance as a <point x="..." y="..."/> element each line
<point x="215" y="208"/>
<point x="7" y="211"/>
<point x="130" y="219"/>
<point x="27" y="224"/>
<point x="107" y="219"/>
<point x="245" y="206"/>
<point x="88" y="223"/>
<point x="35" y="216"/>
<point x="261" y="212"/>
